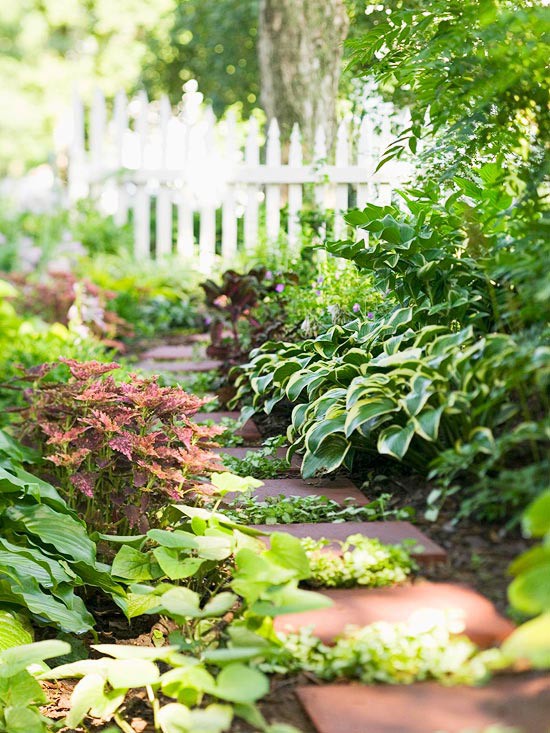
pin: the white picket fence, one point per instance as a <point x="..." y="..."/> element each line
<point x="212" y="191"/>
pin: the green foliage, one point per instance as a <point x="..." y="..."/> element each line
<point x="295" y="509"/>
<point x="359" y="561"/>
<point x="529" y="592"/>
<point x="165" y="673"/>
<point x="426" y="647"/>
<point x="260" y="463"/>
<point x="45" y="551"/>
<point x="228" y="438"/>
<point x="20" y="693"/>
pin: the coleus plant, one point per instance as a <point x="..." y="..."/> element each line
<point x="118" y="450"/>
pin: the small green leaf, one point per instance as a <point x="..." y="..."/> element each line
<point x="530" y="591"/>
<point x="241" y="684"/>
<point x="394" y="441"/>
<point x="536" y="520"/>
<point x="531" y="641"/>
<point x="133" y="565"/>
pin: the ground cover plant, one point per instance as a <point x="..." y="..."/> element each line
<point x="114" y="448"/>
<point x="259" y="463"/>
<point x="284" y="509"/>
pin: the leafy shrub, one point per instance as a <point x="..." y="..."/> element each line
<point x="360" y="561"/>
<point x="260" y="463"/>
<point x="45" y="551"/>
<point x="117" y="450"/>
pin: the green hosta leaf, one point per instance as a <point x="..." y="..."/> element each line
<point x="329" y="456"/>
<point x="530" y="591"/>
<point x="285" y="370"/>
<point x="422" y="389"/>
<point x="427" y="423"/>
<point x="536" y="520"/>
<point x="21" y="719"/>
<point x="134" y="565"/>
<point x="321" y="431"/>
<point x="175" y="567"/>
<point x="531" y="641"/>
<point x="181" y="602"/>
<point x="366" y="410"/>
<point x="215" y="547"/>
<point x="241" y="684"/>
<point x="138" y="604"/>
<point x="399" y="318"/>
<point x="15" y="630"/>
<point x="531" y="558"/>
<point x="394" y="441"/>
<point x="130" y="651"/>
<point x="219" y="604"/>
<point x="60" y="531"/>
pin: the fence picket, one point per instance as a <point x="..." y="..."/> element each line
<point x="341" y="192"/>
<point x="164" y="198"/>
<point x="252" y="160"/>
<point x="273" y="192"/>
<point x="142" y="203"/>
<point x="229" y="214"/>
<point x="294" y="190"/>
<point x="76" y="175"/>
<point x="120" y="125"/>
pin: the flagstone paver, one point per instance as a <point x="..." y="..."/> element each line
<point x="363" y="606"/>
<point x="338" y="489"/>
<point x="241" y="451"/>
<point x="390" y="533"/>
<point x="248" y="431"/>
<point x="180" y="367"/>
<point x="167" y="352"/>
<point x="516" y="701"/>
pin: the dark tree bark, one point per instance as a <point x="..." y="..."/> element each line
<point x="300" y="48"/>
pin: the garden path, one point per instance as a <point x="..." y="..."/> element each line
<point x="513" y="701"/>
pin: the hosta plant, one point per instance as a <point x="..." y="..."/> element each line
<point x="46" y="555"/>
<point x="118" y="450"/>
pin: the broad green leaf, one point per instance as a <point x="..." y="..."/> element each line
<point x="531" y="641"/>
<point x="530" y="591"/>
<point x="219" y="604"/>
<point x="175" y="567"/>
<point x="22" y="720"/>
<point x="531" y="558"/>
<point x="15" y="630"/>
<point x="322" y="430"/>
<point x="365" y="410"/>
<point x="127" y="673"/>
<point x="19" y="658"/>
<point x="181" y="602"/>
<point x="133" y="565"/>
<point x="138" y="604"/>
<point x="291" y="600"/>
<point x="241" y="684"/>
<point x="394" y="441"/>
<point x="230" y="483"/>
<point x="536" y="520"/>
<point x="88" y="692"/>
<point x="426" y="424"/>
<point x="177" y="539"/>
<point x="287" y="551"/>
<point x="327" y="458"/>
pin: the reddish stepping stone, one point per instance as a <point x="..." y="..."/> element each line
<point x="180" y="367"/>
<point x="249" y="431"/>
<point x="338" y="489"/>
<point x="390" y="533"/>
<point x="169" y="352"/>
<point x="240" y="452"/>
<point x="363" y="606"/>
<point x="516" y="701"/>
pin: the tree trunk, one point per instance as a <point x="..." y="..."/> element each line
<point x="300" y="49"/>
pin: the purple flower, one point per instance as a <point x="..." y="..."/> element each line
<point x="320" y="280"/>
<point x="279" y="287"/>
<point x="356" y="308"/>
<point x="317" y="293"/>
<point x="207" y="320"/>
<point x="268" y="275"/>
<point x="370" y="314"/>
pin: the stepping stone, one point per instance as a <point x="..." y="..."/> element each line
<point x="249" y="431"/>
<point x="169" y="352"/>
<point x="337" y="489"/>
<point x="390" y="533"/>
<point x="241" y="451"/>
<point x="180" y="367"/>
<point x="520" y="702"/>
<point x="363" y="606"/>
